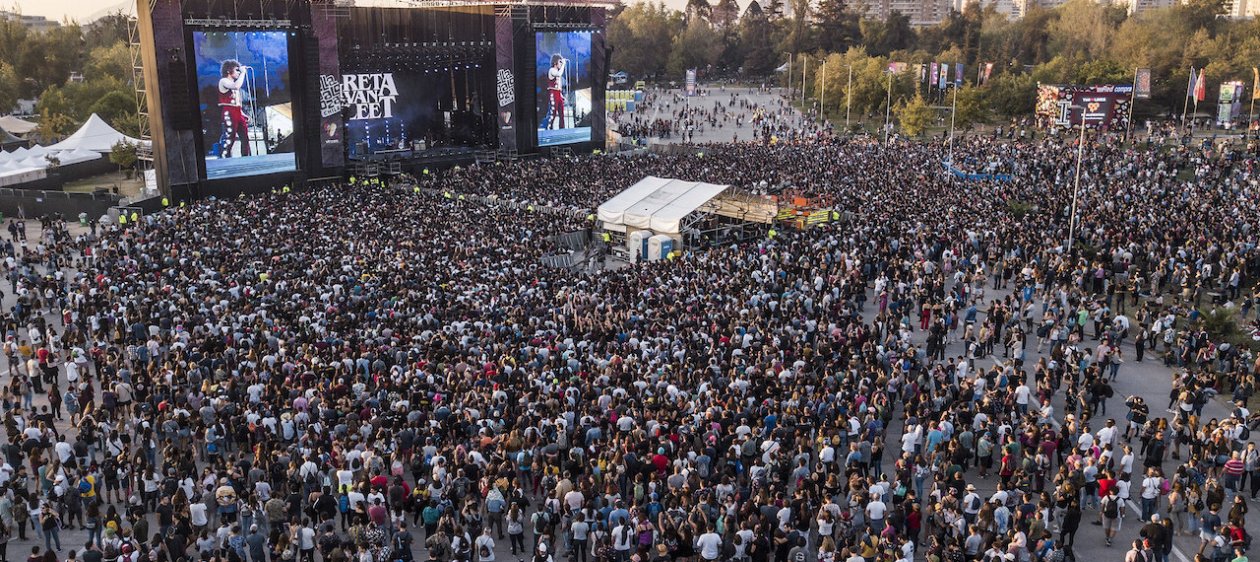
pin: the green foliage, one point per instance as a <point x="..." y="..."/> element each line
<point x="698" y="46"/>
<point x="914" y="116"/>
<point x="54" y="116"/>
<point x="123" y="155"/>
<point x="8" y="87"/>
<point x="640" y="34"/>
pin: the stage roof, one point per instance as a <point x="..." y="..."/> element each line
<point x="657" y="204"/>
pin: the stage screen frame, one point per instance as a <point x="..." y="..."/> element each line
<point x="269" y="100"/>
<point x="577" y="85"/>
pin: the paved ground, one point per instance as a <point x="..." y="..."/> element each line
<point x="1149" y="379"/>
<point x="665" y="106"/>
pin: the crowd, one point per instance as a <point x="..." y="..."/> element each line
<point x="374" y="374"/>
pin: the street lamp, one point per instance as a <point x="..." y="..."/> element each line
<point x="1076" y="183"/>
<point x="848" y="98"/>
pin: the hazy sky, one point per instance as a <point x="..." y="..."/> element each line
<point x="86" y="10"/>
<point x="81" y="10"/>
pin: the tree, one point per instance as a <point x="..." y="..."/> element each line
<point x="760" y="57"/>
<point x="50" y="57"/>
<point x="970" y="107"/>
<point x="725" y="14"/>
<point x="1011" y="94"/>
<point x="110" y="29"/>
<point x="914" y="116"/>
<point x="123" y="154"/>
<point x="116" y="108"/>
<point x="697" y="9"/>
<point x="8" y="87"/>
<point x="838" y="27"/>
<point x="883" y="37"/>
<point x="54" y="115"/>
<point x="639" y="34"/>
<point x="697" y="46"/>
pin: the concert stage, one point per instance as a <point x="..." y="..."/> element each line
<point x="331" y="88"/>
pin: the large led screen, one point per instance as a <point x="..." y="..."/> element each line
<point x="246" y="102"/>
<point x="563" y="69"/>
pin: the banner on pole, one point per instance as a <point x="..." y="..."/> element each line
<point x="958" y="75"/>
<point x="1229" y="104"/>
<point x="932" y="75"/>
<point x="944" y="76"/>
<point x="1200" y="86"/>
<point x="988" y="72"/>
<point x="1255" y="83"/>
<point x="691" y="82"/>
<point x="1142" y="84"/>
<point x="896" y="67"/>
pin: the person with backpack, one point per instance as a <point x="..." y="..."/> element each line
<point x="1109" y="515"/>
<point x="401" y="543"/>
<point x="1137" y="553"/>
<point x="484" y="546"/>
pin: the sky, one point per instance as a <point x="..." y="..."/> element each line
<point x="87" y="10"/>
<point x="82" y="10"/>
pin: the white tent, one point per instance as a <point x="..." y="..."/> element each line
<point x="95" y="135"/>
<point x="17" y="126"/>
<point x="656" y="204"/>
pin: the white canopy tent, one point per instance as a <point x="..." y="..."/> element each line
<point x="17" y="126"/>
<point x="656" y="204"/>
<point x="95" y="135"/>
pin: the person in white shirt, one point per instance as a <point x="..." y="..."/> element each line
<point x="484" y="546"/>
<point x="710" y="545"/>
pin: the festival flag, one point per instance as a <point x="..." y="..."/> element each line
<point x="944" y="75"/>
<point x="1142" y="84"/>
<point x="1255" y="83"/>
<point x="921" y="70"/>
<point x="1200" y="87"/>
<point x="958" y="75"/>
<point x="988" y="72"/>
<point x="1190" y="87"/>
<point x="932" y="75"/>
<point x="896" y="67"/>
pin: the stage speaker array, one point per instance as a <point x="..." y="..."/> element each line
<point x="179" y="97"/>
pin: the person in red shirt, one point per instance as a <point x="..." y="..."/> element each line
<point x="1105" y="483"/>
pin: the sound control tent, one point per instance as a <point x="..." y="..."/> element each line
<point x="658" y="204"/>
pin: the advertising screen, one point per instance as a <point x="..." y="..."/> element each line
<point x="246" y="102"/>
<point x="563" y="69"/>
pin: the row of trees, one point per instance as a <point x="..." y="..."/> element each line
<point x="39" y="65"/>
<point x="1080" y="42"/>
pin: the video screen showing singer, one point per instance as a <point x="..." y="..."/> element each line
<point x="247" y="125"/>
<point x="564" y="87"/>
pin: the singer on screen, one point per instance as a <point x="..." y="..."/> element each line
<point x="235" y="124"/>
<point x="555" y="89"/>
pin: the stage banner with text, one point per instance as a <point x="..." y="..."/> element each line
<point x="332" y="150"/>
<point x="505" y="81"/>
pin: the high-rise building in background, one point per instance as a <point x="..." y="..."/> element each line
<point x="33" y="23"/>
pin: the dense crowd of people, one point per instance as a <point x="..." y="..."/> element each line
<point x="370" y="374"/>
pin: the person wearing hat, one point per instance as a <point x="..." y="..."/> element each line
<point x="541" y="554"/>
<point x="971" y="504"/>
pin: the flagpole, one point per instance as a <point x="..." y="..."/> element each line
<point x="822" y="104"/>
<point x="804" y="73"/>
<point x="953" y="115"/>
<point x="1251" y="113"/>
<point x="1186" y="102"/>
<point x="1132" y="100"/>
<point x="888" y="108"/>
<point x="848" y="99"/>
<point x="1076" y="185"/>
